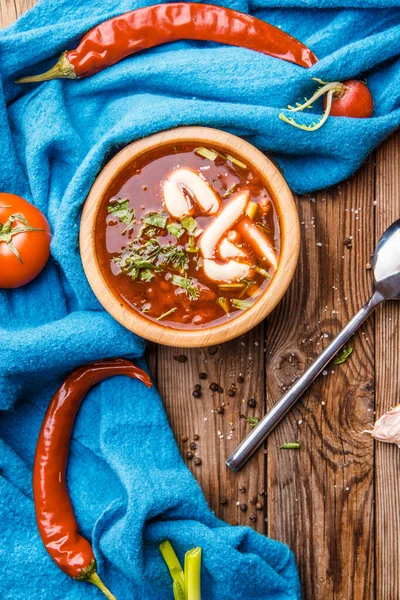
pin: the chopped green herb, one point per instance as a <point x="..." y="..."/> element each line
<point x="156" y="219"/>
<point x="189" y="224"/>
<point x="341" y="358"/>
<point x="149" y="231"/>
<point x="263" y="272"/>
<point x="166" y="314"/>
<point x="146" y="275"/>
<point x="206" y="153"/>
<point x="264" y="228"/>
<point x="224" y="304"/>
<point x="175" y="229"/>
<point x="231" y="286"/>
<point x="290" y="446"/>
<point x="175" y="256"/>
<point x="213" y="154"/>
<point x="242" y="304"/>
<point x="230" y="190"/>
<point x="251" y="209"/>
<point x="199" y="261"/>
<point x="192" y="245"/>
<point x="185" y="283"/>
<point x="252" y="421"/>
<point x="120" y="209"/>
<point x="236" y="162"/>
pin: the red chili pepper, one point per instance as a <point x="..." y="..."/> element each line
<point x="126" y="34"/>
<point x="54" y="512"/>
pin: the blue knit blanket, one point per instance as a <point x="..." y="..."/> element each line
<point x="129" y="486"/>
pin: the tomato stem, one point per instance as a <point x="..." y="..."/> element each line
<point x="7" y="231"/>
<point x="334" y="88"/>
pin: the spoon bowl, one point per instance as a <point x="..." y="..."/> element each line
<point x="386" y="287"/>
<point x="387" y="263"/>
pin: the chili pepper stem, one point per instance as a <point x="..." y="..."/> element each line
<point x="61" y="70"/>
<point x="95" y="579"/>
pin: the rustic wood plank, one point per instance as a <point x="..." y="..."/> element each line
<point x="219" y="433"/>
<point x="321" y="497"/>
<point x="387" y="477"/>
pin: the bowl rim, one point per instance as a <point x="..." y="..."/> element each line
<point x="289" y="239"/>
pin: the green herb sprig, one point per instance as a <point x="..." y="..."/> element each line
<point x="343" y="356"/>
<point x="192" y="291"/>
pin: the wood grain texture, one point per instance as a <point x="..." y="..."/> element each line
<point x="387" y="366"/>
<point x="288" y="229"/>
<point x="347" y="542"/>
<point x="321" y="498"/>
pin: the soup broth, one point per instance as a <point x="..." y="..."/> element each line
<point x="188" y="237"/>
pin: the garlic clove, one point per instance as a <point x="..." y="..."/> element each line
<point x="387" y="427"/>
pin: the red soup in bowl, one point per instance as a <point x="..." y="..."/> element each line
<point x="188" y="236"/>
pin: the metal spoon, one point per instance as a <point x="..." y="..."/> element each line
<point x="386" y="265"/>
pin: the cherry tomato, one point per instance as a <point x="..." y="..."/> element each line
<point x="356" y="101"/>
<point x="24" y="241"/>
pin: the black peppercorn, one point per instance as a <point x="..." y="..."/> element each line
<point x="214" y="387"/>
<point x="240" y="379"/>
<point x="184" y="438"/>
<point x="220" y="410"/>
<point x="197" y="461"/>
<point x="180" y="358"/>
<point x="252" y="402"/>
<point x="196" y="393"/>
<point x="213" y="350"/>
<point x="193" y="446"/>
<point x="243" y="507"/>
<point x="197" y="386"/>
<point x="189" y="455"/>
<point x="220" y="389"/>
<point x="231" y="392"/>
<point x="203" y="375"/>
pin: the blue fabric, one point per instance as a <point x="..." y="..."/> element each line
<point x="129" y="485"/>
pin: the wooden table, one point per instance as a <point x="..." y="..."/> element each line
<point x="336" y="502"/>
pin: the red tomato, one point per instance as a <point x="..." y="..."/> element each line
<point x="24" y="241"/>
<point x="356" y="101"/>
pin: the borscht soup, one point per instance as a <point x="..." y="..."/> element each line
<point x="188" y="236"/>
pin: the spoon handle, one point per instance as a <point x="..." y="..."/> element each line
<point x="279" y="410"/>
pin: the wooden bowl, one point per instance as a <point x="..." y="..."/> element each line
<point x="289" y="234"/>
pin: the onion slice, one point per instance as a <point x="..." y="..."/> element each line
<point x="228" y="249"/>
<point x="228" y="271"/>
<point x="223" y="222"/>
<point x="257" y="240"/>
<point x="176" y="201"/>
